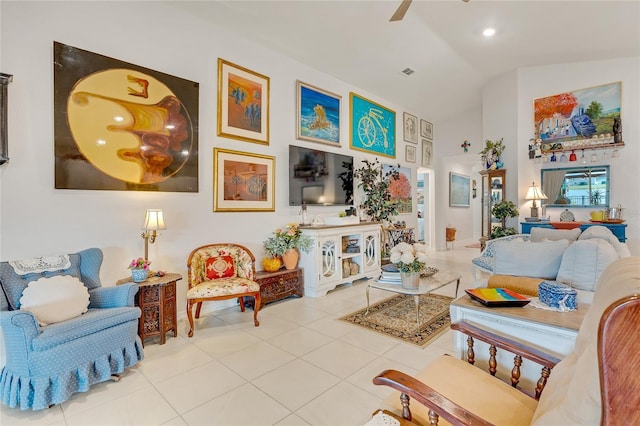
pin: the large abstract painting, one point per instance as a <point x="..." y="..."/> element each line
<point x="119" y="126"/>
<point x="580" y="114"/>
<point x="373" y="127"/>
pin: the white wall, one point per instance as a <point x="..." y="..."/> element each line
<point x="519" y="88"/>
<point x="38" y="219"/>
<point x="450" y="157"/>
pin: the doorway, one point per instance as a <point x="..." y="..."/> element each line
<point x="425" y="212"/>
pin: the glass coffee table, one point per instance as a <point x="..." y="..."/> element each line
<point x="427" y="285"/>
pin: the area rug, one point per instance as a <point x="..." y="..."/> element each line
<point x="396" y="317"/>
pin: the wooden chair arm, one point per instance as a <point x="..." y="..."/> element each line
<point x="428" y="397"/>
<point x="516" y="348"/>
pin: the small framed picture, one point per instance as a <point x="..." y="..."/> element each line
<point x="410" y="128"/>
<point x="243" y="182"/>
<point x="410" y="154"/>
<point x="427" y="153"/>
<point x="426" y="129"/>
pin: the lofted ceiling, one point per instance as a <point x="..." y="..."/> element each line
<point x="440" y="40"/>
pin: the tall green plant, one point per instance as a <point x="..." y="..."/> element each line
<point x="375" y="184"/>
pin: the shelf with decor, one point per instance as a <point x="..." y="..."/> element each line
<point x="550" y="148"/>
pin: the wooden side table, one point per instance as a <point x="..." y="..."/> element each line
<point x="278" y="285"/>
<point x="157" y="300"/>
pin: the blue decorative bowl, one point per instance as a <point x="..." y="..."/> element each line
<point x="557" y="295"/>
<point x="139" y="275"/>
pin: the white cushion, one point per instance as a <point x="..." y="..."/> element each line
<point x="547" y="234"/>
<point x="55" y="299"/>
<point x="584" y="261"/>
<point x="537" y="260"/>
<point x="604" y="233"/>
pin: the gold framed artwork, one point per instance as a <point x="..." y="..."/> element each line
<point x="372" y="127"/>
<point x="119" y="126"/>
<point x="427" y="153"/>
<point x="410" y="128"/>
<point x="410" y="154"/>
<point x="426" y="129"/>
<point x="243" y="103"/>
<point x="318" y="114"/>
<point x="243" y="182"/>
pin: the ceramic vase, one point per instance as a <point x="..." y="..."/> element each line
<point x="139" y="275"/>
<point x="290" y="258"/>
<point x="410" y="280"/>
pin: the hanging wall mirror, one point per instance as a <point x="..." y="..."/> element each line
<point x="576" y="186"/>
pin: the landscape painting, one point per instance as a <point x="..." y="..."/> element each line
<point x="581" y="114"/>
<point x="400" y="188"/>
<point x="318" y="115"/>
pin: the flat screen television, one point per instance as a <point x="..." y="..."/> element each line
<point x="319" y="178"/>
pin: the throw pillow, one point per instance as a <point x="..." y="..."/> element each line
<point x="536" y="260"/>
<point x="220" y="267"/>
<point x="55" y="299"/>
<point x="583" y="263"/>
<point x="547" y="234"/>
<point x="604" y="233"/>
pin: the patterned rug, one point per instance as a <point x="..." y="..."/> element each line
<point x="396" y="317"/>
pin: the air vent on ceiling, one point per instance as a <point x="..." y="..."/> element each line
<point x="408" y="71"/>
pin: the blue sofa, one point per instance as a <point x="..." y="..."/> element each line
<point x="45" y="365"/>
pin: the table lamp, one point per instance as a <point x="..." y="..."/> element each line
<point x="534" y="193"/>
<point x="153" y="222"/>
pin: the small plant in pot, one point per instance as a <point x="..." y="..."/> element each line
<point x="502" y="211"/>
<point x="285" y="242"/>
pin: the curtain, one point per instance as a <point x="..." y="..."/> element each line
<point x="552" y="184"/>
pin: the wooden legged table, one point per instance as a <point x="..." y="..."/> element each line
<point x="157" y="300"/>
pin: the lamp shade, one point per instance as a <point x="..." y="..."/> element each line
<point x="154" y="220"/>
<point x="535" y="193"/>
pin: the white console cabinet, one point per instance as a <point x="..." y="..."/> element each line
<point x="336" y="249"/>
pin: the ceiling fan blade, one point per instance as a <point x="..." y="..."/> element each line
<point x="402" y="9"/>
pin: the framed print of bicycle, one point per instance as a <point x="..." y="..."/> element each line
<point x="372" y="127"/>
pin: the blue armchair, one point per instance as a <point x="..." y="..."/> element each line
<point x="45" y="365"/>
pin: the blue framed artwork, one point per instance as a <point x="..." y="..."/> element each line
<point x="372" y="127"/>
<point x="459" y="187"/>
<point x="318" y="115"/>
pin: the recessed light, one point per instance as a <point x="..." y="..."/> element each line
<point x="488" y="32"/>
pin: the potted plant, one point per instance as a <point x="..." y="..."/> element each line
<point x="492" y="153"/>
<point x="375" y="183"/>
<point x="410" y="260"/>
<point x="285" y="244"/>
<point x="139" y="269"/>
<point x="502" y="211"/>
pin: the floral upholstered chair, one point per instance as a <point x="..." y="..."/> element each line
<point x="63" y="331"/>
<point x="218" y="272"/>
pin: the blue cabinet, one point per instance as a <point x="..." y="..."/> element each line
<point x="618" y="229"/>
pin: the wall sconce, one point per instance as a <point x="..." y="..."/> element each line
<point x="535" y="193"/>
<point x="153" y="222"/>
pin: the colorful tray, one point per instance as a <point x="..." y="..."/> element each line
<point x="497" y="297"/>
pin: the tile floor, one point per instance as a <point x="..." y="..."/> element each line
<point x="302" y="366"/>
